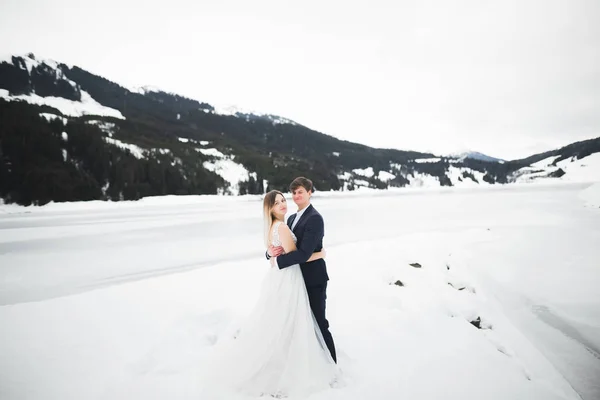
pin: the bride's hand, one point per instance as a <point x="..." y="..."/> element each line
<point x="273" y="251"/>
<point x="323" y="253"/>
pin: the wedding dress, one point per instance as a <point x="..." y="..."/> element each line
<point x="279" y="350"/>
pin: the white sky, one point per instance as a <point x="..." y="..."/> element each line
<point x="507" y="78"/>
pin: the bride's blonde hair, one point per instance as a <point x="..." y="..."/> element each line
<point x="268" y="216"/>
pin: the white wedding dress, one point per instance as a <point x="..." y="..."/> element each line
<point x="279" y="350"/>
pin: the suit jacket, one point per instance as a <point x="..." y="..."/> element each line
<point x="309" y="231"/>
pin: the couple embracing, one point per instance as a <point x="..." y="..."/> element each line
<point x="284" y="346"/>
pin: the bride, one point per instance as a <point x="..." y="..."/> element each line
<point x="279" y="350"/>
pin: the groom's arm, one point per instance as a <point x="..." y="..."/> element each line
<point x="313" y="233"/>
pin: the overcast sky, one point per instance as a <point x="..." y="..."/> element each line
<point x="508" y="78"/>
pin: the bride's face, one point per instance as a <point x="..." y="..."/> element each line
<point x="280" y="207"/>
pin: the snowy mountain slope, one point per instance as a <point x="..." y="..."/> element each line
<point x="47" y="84"/>
<point x="476" y="156"/>
<point x="149" y="124"/>
<point x="579" y="162"/>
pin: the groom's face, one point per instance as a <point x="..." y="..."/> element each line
<point x="301" y="197"/>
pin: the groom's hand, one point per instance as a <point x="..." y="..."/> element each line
<point x="273" y="251"/>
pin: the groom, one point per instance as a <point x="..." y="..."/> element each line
<point x="307" y="225"/>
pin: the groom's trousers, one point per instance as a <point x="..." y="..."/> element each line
<point x="317" y="296"/>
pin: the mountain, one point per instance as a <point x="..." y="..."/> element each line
<point x="67" y="134"/>
<point x="578" y="161"/>
<point x="476" y="156"/>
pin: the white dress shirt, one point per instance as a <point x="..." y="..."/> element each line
<point x="298" y="216"/>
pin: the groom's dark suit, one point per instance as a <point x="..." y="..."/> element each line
<point x="309" y="231"/>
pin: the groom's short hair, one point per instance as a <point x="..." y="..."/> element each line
<point x="302" y="181"/>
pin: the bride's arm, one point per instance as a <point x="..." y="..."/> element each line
<point x="285" y="235"/>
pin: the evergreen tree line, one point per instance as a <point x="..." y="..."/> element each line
<point x="42" y="80"/>
<point x="38" y="165"/>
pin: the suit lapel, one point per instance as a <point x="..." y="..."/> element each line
<point x="303" y="217"/>
<point x="291" y="220"/>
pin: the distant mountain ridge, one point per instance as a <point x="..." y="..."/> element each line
<point x="68" y="134"/>
<point x="476" y="156"/>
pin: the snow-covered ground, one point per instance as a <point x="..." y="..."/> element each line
<point x="125" y="300"/>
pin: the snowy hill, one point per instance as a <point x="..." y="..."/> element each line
<point x="44" y="83"/>
<point x="105" y="141"/>
<point x="577" y="162"/>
